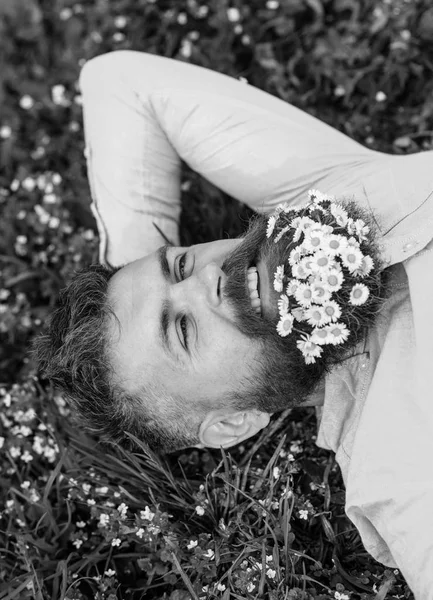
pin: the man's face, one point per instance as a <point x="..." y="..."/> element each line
<point x="177" y="329"/>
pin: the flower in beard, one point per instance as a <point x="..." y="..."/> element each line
<point x="313" y="240"/>
<point x="334" y="244"/>
<point x="339" y="214"/>
<point x="304" y="294"/>
<point x="365" y="268"/>
<point x="320" y="336"/>
<point x="283" y="305"/>
<point x="320" y="292"/>
<point x="338" y="333"/>
<point x="331" y="311"/>
<point x="333" y="279"/>
<point x="271" y="225"/>
<point x="278" y="278"/>
<point x="315" y="316"/>
<point x="292" y="286"/>
<point x="359" y="294"/>
<point x="295" y="256"/>
<point x="281" y="233"/>
<point x="309" y="349"/>
<point x="318" y="197"/>
<point x="352" y="258"/>
<point x="299" y="272"/>
<point x="285" y="325"/>
<point x="322" y="262"/>
<point x="361" y="229"/>
<point x="301" y="225"/>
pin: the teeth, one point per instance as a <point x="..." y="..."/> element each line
<point x="253" y="282"/>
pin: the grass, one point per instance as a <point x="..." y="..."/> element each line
<point x="265" y="520"/>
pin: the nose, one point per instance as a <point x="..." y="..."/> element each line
<point x="203" y="286"/>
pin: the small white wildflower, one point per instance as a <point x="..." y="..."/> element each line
<point x="182" y="18"/>
<point x="77" y="543"/>
<point x="285" y="325"/>
<point x="27" y="102"/>
<point x="147" y="514"/>
<point x="91" y="502"/>
<point x="116" y="542"/>
<point x="122" y="509"/>
<point x="339" y="91"/>
<point x="251" y="587"/>
<point x="199" y="510"/>
<point x="338" y="333"/>
<point x="120" y="22"/>
<point x="80" y="524"/>
<point x="186" y="48"/>
<point x="359" y="294"/>
<point x="26" y="456"/>
<point x="191" y="544"/>
<point x="86" y="486"/>
<point x="233" y="14"/>
<point x="221" y="587"/>
<point x="28" y="184"/>
<point x="65" y="14"/>
<point x="25" y="485"/>
<point x="271" y="573"/>
<point x="5" y="132"/>
<point x="381" y="96"/>
<point x="101" y="490"/>
<point x="276" y="472"/>
<point x="272" y="4"/>
<point x="209" y="553"/>
<point x="140" y="532"/>
<point x="303" y="514"/>
<point x="109" y="572"/>
<point x="104" y="519"/>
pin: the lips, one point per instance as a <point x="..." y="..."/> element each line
<point x="254" y="289"/>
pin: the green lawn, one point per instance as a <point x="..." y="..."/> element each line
<point x="267" y="519"/>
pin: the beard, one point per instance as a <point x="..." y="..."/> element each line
<point x="281" y="377"/>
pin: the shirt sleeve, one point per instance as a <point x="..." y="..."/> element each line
<point x="144" y="113"/>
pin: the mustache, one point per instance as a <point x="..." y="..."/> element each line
<point x="254" y="246"/>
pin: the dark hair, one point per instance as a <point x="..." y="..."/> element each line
<point x="74" y="355"/>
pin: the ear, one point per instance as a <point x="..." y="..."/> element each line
<point x="227" y="428"/>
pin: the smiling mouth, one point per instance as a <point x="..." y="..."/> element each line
<point x="253" y="283"/>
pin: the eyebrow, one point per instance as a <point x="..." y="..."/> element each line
<point x="164" y="317"/>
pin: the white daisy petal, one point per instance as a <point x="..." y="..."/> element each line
<point x="359" y="294"/>
<point x="285" y="325"/>
<point x="283" y="305"/>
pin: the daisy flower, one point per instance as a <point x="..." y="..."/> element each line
<point x="333" y="244"/>
<point x="292" y="286"/>
<point x="301" y="224"/>
<point x="295" y="256"/>
<point x="333" y="279"/>
<point x="271" y="225"/>
<point x="366" y="266"/>
<point x="278" y="279"/>
<point x="318" y="197"/>
<point x="350" y="226"/>
<point x="359" y="294"/>
<point x="299" y="271"/>
<point x="307" y="265"/>
<point x="338" y="333"/>
<point x="361" y="229"/>
<point x="304" y="294"/>
<point x="313" y="240"/>
<point x="320" y="292"/>
<point x="315" y="316"/>
<point x="352" y="258"/>
<point x="332" y="311"/>
<point x="285" y="325"/>
<point x="309" y="349"/>
<point x="298" y="314"/>
<point x="352" y="242"/>
<point x="339" y="214"/>
<point x="281" y="233"/>
<point x="283" y="305"/>
<point x="320" y="336"/>
<point x="322" y="261"/>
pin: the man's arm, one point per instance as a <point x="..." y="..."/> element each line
<point x="142" y="113"/>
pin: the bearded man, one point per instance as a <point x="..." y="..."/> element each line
<point x="200" y="345"/>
